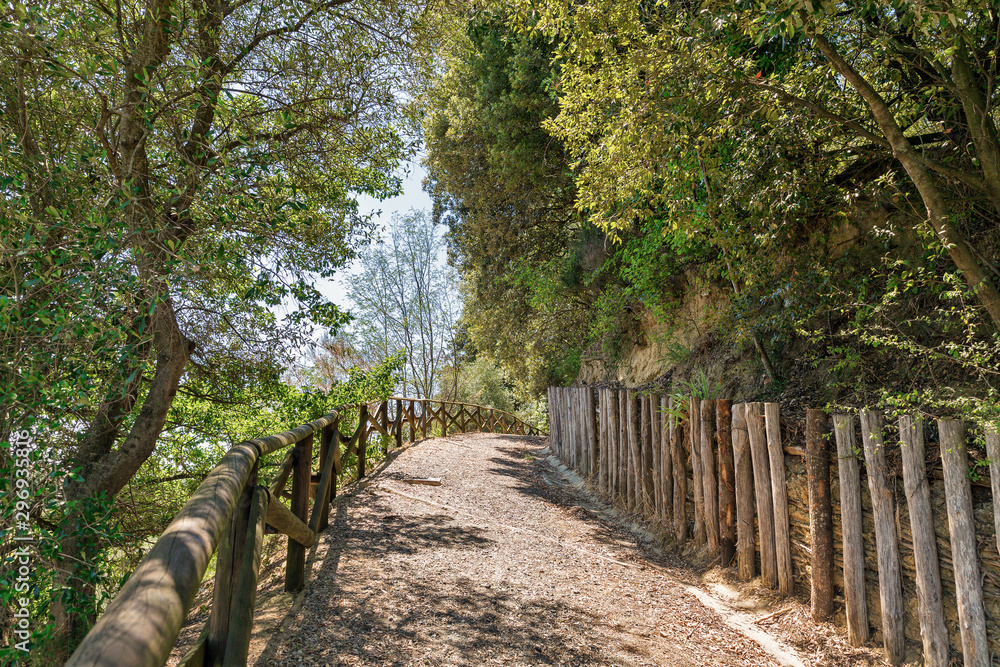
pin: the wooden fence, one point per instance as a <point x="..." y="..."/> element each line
<point x="720" y="474"/>
<point x="230" y="511"/>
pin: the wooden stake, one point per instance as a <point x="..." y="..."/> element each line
<point x="745" y="556"/>
<point x="754" y="414"/>
<point x="993" y="452"/>
<point x="680" y="477"/>
<point x="779" y="496"/>
<point x="667" y="465"/>
<point x="849" y="476"/>
<point x="646" y="457"/>
<point x="925" y="556"/>
<point x="694" y="431"/>
<point x="820" y="514"/>
<point x="654" y="442"/>
<point x="884" y="510"/>
<point x="623" y="453"/>
<point x="727" y="481"/>
<point x="709" y="486"/>
<point x="962" y="528"/>
<point x="635" y="456"/>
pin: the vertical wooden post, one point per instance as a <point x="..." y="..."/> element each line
<point x="646" y="456"/>
<point x="709" y="486"/>
<point x="383" y="415"/>
<point x="779" y="496"/>
<point x="329" y="446"/>
<point x="295" y="562"/>
<point x="227" y="562"/>
<point x="602" y="438"/>
<point x="666" y="465"/>
<point x="820" y="514"/>
<point x="624" y="460"/>
<point x="964" y="556"/>
<point x="680" y="476"/>
<point x="635" y="457"/>
<point x="245" y="595"/>
<point x="925" y="556"/>
<point x="993" y="452"/>
<point x="654" y="442"/>
<point x="754" y="414"/>
<point x="611" y="402"/>
<point x="411" y="417"/>
<point x="592" y="463"/>
<point x="849" y="476"/>
<point x="746" y="564"/>
<point x="884" y="510"/>
<point x="423" y="418"/>
<point x="398" y="432"/>
<point x="694" y="431"/>
<point x="727" y="480"/>
<point x="362" y="440"/>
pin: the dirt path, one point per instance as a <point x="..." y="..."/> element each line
<point x="501" y="564"/>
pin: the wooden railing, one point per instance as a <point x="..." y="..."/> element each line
<point x="231" y="510"/>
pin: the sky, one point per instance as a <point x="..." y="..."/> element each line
<point x="412" y="197"/>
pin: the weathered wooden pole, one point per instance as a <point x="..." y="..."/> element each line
<point x="362" y="440"/>
<point x="925" y="556"/>
<point x="886" y="541"/>
<point x="227" y="564"/>
<point x="754" y="414"/>
<point x="646" y="456"/>
<point x="424" y="418"/>
<point x="397" y="430"/>
<point x="849" y="476"/>
<point x="245" y="595"/>
<point x="820" y="514"/>
<point x="680" y="476"/>
<point x="709" y="486"/>
<point x="745" y="551"/>
<point x="667" y="465"/>
<point x="635" y="454"/>
<point x="993" y="453"/>
<point x="654" y="442"/>
<point x="779" y="496"/>
<point x="295" y="562"/>
<point x="964" y="556"/>
<point x="727" y="480"/>
<point x="592" y="427"/>
<point x="623" y="451"/>
<point x="329" y="456"/>
<point x="694" y="433"/>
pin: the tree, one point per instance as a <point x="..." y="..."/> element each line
<point x="172" y="171"/>
<point x="404" y="299"/>
<point x="503" y="186"/>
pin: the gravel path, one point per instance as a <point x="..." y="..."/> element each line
<point x="503" y="564"/>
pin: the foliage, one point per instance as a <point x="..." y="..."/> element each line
<point x="405" y="300"/>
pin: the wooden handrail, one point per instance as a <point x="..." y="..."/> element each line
<point x="141" y="624"/>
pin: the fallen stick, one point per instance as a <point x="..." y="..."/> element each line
<point x="429" y="481"/>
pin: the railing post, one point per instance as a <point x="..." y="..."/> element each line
<point x="245" y="595"/>
<point x="398" y="431"/>
<point x="423" y="418"/>
<point x="295" y="564"/>
<point x="362" y="439"/>
<point x="228" y="558"/>
<point x="329" y="447"/>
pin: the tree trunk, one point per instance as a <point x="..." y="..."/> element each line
<point x="934" y="201"/>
